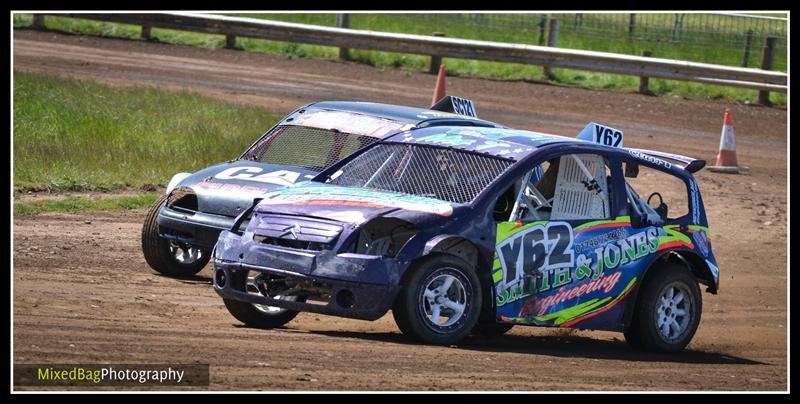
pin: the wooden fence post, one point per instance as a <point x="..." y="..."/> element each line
<point x="631" y="25"/>
<point x="767" y="59"/>
<point x="676" y="28"/>
<point x="542" y="26"/>
<point x="230" y="41"/>
<point x="747" y="43"/>
<point x="436" y="60"/>
<point x="552" y="40"/>
<point x="644" y="81"/>
<point x="343" y="21"/>
<point x="38" y="21"/>
<point x="146" y="32"/>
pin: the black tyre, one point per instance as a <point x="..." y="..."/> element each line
<point x="257" y="315"/>
<point x="440" y="300"/>
<point x="667" y="312"/>
<point x="168" y="257"/>
<point x="491" y="329"/>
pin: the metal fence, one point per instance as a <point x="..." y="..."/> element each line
<point x="737" y="39"/>
<point x="549" y="56"/>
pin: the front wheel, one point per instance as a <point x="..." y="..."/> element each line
<point x="440" y="301"/>
<point x="668" y="311"/>
<point x="166" y="256"/>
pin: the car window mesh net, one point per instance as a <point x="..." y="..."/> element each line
<point x="307" y="147"/>
<point x="446" y="174"/>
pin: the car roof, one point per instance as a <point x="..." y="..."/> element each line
<point x="400" y="113"/>
<point x="513" y="144"/>
<point x="374" y="119"/>
<point x="516" y="145"/>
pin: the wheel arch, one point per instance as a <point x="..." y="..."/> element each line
<point x="457" y="246"/>
<point x="689" y="260"/>
<point x="468" y="251"/>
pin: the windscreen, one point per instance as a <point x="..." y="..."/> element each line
<point x="446" y="174"/>
<point x="306" y="147"/>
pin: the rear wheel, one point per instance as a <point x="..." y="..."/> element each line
<point x="259" y="315"/>
<point x="166" y="256"/>
<point x="440" y="300"/>
<point x="668" y="311"/>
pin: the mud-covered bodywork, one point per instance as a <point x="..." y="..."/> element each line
<point x="305" y="142"/>
<point x="353" y="232"/>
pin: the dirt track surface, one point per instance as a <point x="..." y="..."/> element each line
<point x="83" y="293"/>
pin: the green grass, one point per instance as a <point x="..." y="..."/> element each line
<point x="456" y="26"/>
<point x="72" y="204"/>
<point x="76" y="135"/>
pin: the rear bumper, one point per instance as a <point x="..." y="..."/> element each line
<point x="198" y="229"/>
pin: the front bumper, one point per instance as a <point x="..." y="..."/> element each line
<point x="198" y="229"/>
<point x="360" y="286"/>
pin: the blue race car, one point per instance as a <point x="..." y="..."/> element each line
<point x="182" y="226"/>
<point x="463" y="230"/>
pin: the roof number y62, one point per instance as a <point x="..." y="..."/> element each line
<point x="607" y="136"/>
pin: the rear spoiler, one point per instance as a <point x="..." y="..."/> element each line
<point x="690" y="164"/>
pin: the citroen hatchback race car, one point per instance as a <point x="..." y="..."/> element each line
<point x="182" y="226"/>
<point x="465" y="230"/>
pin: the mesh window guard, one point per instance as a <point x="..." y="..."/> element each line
<point x="306" y="147"/>
<point x="445" y="174"/>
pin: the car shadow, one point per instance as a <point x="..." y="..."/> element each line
<point x="570" y="346"/>
<point x="194" y="279"/>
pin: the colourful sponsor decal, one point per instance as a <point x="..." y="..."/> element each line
<point x="572" y="315"/>
<point x="607" y="258"/>
<point x="694" y="227"/>
<point x="486" y="138"/>
<point x="622" y="251"/>
<point x="674" y="238"/>
<point x="458" y="139"/>
<point x="604" y="283"/>
<point x="600" y="239"/>
<point x="621" y="221"/>
<point x="604" y="259"/>
<point x="538" y="250"/>
<point x="539" y="257"/>
<point x="447" y="139"/>
<point x="338" y="196"/>
<point x="701" y="241"/>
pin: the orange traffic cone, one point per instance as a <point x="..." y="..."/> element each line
<point x="438" y="92"/>
<point x="726" y="158"/>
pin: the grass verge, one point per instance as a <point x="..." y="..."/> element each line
<point x="78" y="135"/>
<point x="72" y="204"/>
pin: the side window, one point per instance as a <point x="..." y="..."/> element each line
<point x="653" y="195"/>
<point x="569" y="187"/>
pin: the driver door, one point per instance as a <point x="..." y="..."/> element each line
<point x="537" y="253"/>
